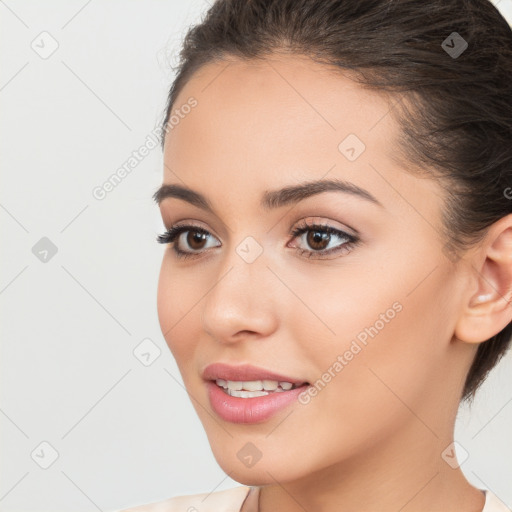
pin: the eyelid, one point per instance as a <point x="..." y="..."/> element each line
<point x="316" y="220"/>
<point x="170" y="213"/>
<point x="189" y="224"/>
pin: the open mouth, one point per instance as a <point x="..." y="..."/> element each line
<point x="255" y="388"/>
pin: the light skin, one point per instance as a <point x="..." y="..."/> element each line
<point x="372" y="438"/>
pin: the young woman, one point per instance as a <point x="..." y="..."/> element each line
<point x="337" y="194"/>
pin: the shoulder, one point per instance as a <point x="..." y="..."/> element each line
<point x="229" y="500"/>
<point x="493" y="503"/>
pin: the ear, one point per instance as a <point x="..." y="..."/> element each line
<point x="487" y="309"/>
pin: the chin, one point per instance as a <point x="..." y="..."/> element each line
<point x="258" y="471"/>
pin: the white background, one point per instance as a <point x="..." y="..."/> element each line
<point x="125" y="433"/>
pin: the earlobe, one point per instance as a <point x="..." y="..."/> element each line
<point x="488" y="309"/>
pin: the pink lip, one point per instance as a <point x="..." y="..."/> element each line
<point x="244" y="372"/>
<point x="247" y="410"/>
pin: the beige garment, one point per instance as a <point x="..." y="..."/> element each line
<point x="231" y="500"/>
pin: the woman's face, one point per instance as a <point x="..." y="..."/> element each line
<point x="368" y="325"/>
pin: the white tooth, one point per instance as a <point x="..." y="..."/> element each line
<point x="286" y="385"/>
<point x="246" y="394"/>
<point x="234" y="384"/>
<point x="270" y="385"/>
<point x="252" y="385"/>
<point x="221" y="382"/>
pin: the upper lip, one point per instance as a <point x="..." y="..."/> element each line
<point x="244" y="372"/>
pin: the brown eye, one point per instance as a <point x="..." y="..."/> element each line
<point x="319" y="237"/>
<point x="196" y="239"/>
<point x="318" y="240"/>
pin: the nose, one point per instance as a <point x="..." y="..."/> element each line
<point x="241" y="303"/>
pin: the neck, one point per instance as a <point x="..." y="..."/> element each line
<point x="405" y="474"/>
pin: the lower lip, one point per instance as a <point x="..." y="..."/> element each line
<point x="249" y="410"/>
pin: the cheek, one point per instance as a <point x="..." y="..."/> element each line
<point x="175" y="301"/>
<point x="388" y="347"/>
<point x="340" y="309"/>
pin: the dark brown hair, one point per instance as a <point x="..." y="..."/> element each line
<point x="454" y="105"/>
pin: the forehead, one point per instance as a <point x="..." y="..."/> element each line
<point x="282" y="119"/>
<point x="284" y="103"/>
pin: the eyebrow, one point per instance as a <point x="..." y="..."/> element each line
<point x="271" y="199"/>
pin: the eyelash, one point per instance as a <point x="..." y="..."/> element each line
<point x="175" y="231"/>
